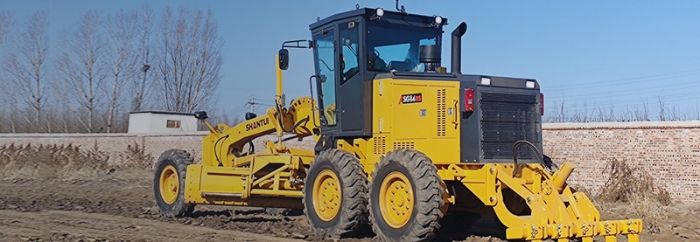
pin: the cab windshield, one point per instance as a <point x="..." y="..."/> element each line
<point x="396" y="48"/>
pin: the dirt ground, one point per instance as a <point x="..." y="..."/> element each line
<point x="120" y="207"/>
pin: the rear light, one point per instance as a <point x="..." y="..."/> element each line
<point x="541" y="103"/>
<point x="469" y="100"/>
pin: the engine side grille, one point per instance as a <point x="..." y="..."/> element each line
<point x="441" y="112"/>
<point x="379" y="145"/>
<point x="506" y="118"/>
<point x="404" y="145"/>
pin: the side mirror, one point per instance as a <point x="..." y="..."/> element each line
<point x="249" y="116"/>
<point x="284" y="59"/>
<point x="201" y="115"/>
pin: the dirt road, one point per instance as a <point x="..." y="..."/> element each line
<point x="120" y="207"/>
<point x="75" y="225"/>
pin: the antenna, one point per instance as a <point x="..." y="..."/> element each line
<point x="402" y="9"/>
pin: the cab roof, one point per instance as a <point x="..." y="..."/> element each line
<point x="390" y="16"/>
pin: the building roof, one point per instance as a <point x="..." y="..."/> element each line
<point x="162" y="112"/>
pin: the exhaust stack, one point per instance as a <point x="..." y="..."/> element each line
<point x="457" y="47"/>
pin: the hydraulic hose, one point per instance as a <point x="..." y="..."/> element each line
<point x="279" y="120"/>
<point x="532" y="147"/>
<point x="217" y="154"/>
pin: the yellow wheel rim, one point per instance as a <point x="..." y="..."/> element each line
<point x="327" y="195"/>
<point x="396" y="199"/>
<point x="169" y="184"/>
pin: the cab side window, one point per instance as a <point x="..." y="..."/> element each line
<point x="325" y="51"/>
<point x="349" y="50"/>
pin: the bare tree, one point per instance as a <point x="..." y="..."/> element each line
<point x="83" y="69"/>
<point x="585" y="117"/>
<point x="562" y="112"/>
<point x="10" y="110"/>
<point x="27" y="68"/>
<point x="141" y="86"/>
<point x="122" y="31"/>
<point x="6" y="23"/>
<point x="675" y="114"/>
<point x="65" y="120"/>
<point x="662" y="110"/>
<point x="641" y="114"/>
<point x="190" y="59"/>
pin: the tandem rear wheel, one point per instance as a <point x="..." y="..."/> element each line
<point x="169" y="183"/>
<point x="335" y="200"/>
<point x="406" y="197"/>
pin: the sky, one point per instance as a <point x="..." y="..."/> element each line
<point x="618" y="54"/>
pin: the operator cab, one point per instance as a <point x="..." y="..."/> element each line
<point x="356" y="49"/>
<point x="352" y="48"/>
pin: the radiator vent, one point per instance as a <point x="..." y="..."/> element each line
<point x="379" y="145"/>
<point x="506" y="118"/>
<point x="404" y="145"/>
<point x="441" y="112"/>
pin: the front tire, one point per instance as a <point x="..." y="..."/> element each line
<point x="169" y="183"/>
<point x="406" y="197"/>
<point x="335" y="195"/>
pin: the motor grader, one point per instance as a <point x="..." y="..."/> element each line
<point x="400" y="143"/>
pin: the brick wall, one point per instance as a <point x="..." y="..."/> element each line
<point x="669" y="150"/>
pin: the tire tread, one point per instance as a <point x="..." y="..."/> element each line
<point x="428" y="191"/>
<point x="180" y="159"/>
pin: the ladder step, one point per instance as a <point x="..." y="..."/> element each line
<point x="218" y="194"/>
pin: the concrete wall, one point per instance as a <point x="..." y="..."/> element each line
<point x="669" y="150"/>
<point x="114" y="144"/>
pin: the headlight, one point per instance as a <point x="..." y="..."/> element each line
<point x="530" y="84"/>
<point x="485" y="81"/>
<point x="380" y="12"/>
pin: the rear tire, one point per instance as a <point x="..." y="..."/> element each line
<point x="335" y="195"/>
<point x="169" y="183"/>
<point x="406" y="197"/>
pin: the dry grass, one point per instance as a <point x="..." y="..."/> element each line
<point x="135" y="156"/>
<point x="635" y="187"/>
<point x="66" y="162"/>
<point x="28" y="162"/>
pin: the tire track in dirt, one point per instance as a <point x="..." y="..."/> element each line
<point x="120" y="206"/>
<point x="132" y="198"/>
<point x="74" y="225"/>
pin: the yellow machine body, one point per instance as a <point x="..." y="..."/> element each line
<point x="532" y="202"/>
<point x="271" y="178"/>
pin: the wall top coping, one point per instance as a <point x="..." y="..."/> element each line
<point x="545" y="126"/>
<point x="623" y="125"/>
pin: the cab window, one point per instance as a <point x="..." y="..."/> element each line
<point x="349" y="49"/>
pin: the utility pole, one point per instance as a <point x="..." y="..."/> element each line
<point x="252" y="105"/>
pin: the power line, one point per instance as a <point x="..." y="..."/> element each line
<point x="649" y="102"/>
<point x="631" y="80"/>
<point x="670" y="87"/>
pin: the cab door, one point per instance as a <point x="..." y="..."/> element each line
<point x="325" y="52"/>
<point x="351" y="80"/>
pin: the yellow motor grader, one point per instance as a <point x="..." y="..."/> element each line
<point x="400" y="143"/>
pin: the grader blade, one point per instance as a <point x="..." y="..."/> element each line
<point x="556" y="211"/>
